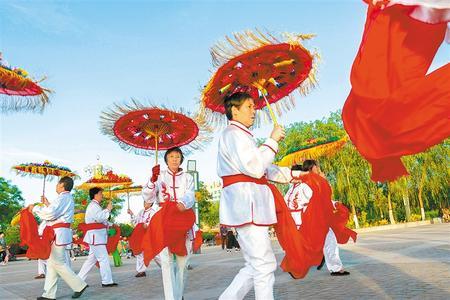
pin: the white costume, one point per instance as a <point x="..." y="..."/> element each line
<point x="59" y="211"/>
<point x="97" y="240"/>
<point x="144" y="216"/>
<point x="297" y="199"/>
<point x="178" y="187"/>
<point x="250" y="208"/>
<point x="298" y="196"/>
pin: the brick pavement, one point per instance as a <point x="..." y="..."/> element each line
<point x="409" y="263"/>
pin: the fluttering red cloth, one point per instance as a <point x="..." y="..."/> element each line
<point x="167" y="228"/>
<point x="304" y="247"/>
<point x="39" y="247"/>
<point x="198" y="241"/>
<point x="338" y="224"/>
<point x="395" y="108"/>
<point x="136" y="237"/>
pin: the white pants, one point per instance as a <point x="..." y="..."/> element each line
<point x="260" y="265"/>
<point x="100" y="254"/>
<point x="42" y="266"/>
<point x="173" y="268"/>
<point x="42" y="263"/>
<point x="140" y="266"/>
<point x="56" y="266"/>
<point x="331" y="253"/>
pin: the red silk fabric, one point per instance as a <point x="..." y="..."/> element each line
<point x="136" y="237"/>
<point x="303" y="248"/>
<point x="167" y="228"/>
<point x="39" y="247"/>
<point x="198" y="241"/>
<point x="395" y="108"/>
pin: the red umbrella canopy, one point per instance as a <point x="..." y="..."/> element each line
<point x="262" y="66"/>
<point x="144" y="129"/>
<point x="18" y="92"/>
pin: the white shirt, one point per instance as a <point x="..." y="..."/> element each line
<point x="247" y="202"/>
<point x="59" y="210"/>
<point x="96" y="214"/>
<point x="179" y="186"/>
<point x="143" y="216"/>
<point x="297" y="199"/>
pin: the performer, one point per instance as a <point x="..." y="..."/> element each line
<point x="143" y="217"/>
<point x="59" y="215"/>
<point x="172" y="184"/>
<point x="396" y="106"/>
<point x="297" y="198"/>
<point x="96" y="237"/>
<point x="302" y="193"/>
<point x="247" y="204"/>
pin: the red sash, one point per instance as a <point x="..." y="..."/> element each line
<point x="91" y="226"/>
<point x="167" y="228"/>
<point x="303" y="248"/>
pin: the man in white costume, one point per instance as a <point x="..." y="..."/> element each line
<point x="247" y="205"/>
<point x="96" y="237"/>
<point x="144" y="217"/>
<point x="172" y="184"/>
<point x="59" y="215"/>
<point x="299" y="195"/>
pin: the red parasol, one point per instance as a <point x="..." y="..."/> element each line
<point x="263" y="66"/>
<point x="18" y="92"/>
<point x="144" y="129"/>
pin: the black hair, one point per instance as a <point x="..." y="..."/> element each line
<point x="236" y="100"/>
<point x="67" y="183"/>
<point x="94" y="191"/>
<point x="297" y="168"/>
<point x="308" y="165"/>
<point x="174" y="149"/>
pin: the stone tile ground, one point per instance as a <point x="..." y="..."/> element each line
<point x="410" y="263"/>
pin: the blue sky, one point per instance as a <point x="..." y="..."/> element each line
<point x="95" y="53"/>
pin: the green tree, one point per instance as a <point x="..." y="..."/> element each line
<point x="11" y="202"/>
<point x="208" y="211"/>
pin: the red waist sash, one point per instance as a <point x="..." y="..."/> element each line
<point x="60" y="225"/>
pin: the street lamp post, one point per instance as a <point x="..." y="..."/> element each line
<point x="192" y="169"/>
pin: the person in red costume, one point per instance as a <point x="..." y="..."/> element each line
<point x="395" y="107"/>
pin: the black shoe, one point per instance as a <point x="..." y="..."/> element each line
<point x="109" y="284"/>
<point x="340" y="273"/>
<point x="78" y="294"/>
<point x="140" y="274"/>
<point x="44" y="298"/>
<point x="321" y="263"/>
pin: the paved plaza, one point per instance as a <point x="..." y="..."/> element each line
<point x="410" y="263"/>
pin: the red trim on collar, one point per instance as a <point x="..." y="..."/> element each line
<point x="236" y="124"/>
<point x="176" y="174"/>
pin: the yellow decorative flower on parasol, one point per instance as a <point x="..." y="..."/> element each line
<point x="266" y="67"/>
<point x="313" y="149"/>
<point x="43" y="170"/>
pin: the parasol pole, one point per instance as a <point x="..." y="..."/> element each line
<point x="43" y="188"/>
<point x="272" y="114"/>
<point x="128" y="199"/>
<point x="156" y="149"/>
